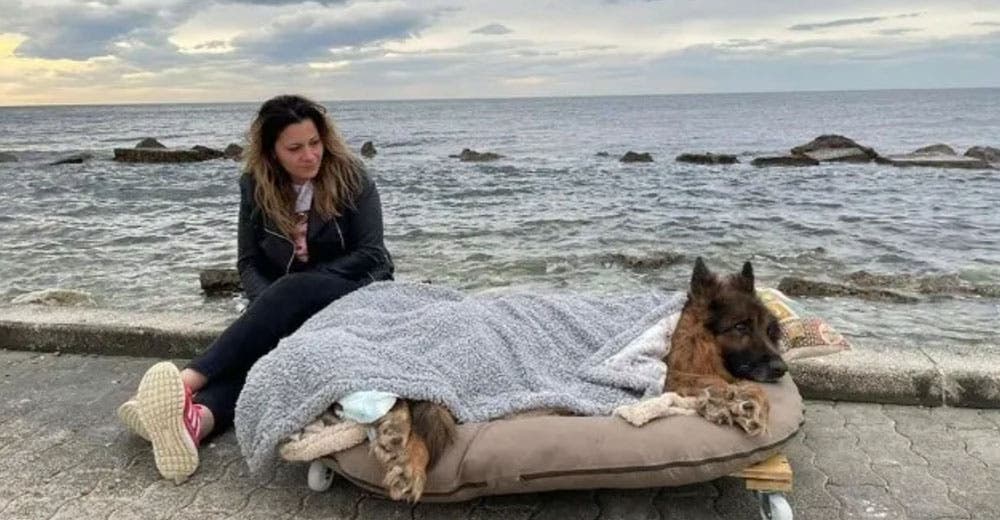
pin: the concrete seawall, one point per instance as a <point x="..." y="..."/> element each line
<point x="930" y="376"/>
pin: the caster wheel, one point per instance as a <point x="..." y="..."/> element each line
<point x="774" y="506"/>
<point x="320" y="476"/>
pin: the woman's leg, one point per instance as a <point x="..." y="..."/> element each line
<point x="175" y="420"/>
<point x="276" y="313"/>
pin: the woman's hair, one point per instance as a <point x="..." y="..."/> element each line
<point x="335" y="186"/>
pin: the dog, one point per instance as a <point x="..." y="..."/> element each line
<point x="724" y="341"/>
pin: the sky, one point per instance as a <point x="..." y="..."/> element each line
<point x="149" y="51"/>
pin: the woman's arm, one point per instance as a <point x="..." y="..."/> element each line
<point x="368" y="252"/>
<point x="247" y="250"/>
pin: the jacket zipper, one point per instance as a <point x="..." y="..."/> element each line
<point x="341" y="235"/>
<point x="288" y="267"/>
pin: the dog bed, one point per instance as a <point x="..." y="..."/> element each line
<point x="532" y="454"/>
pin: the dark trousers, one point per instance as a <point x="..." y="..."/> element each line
<point x="277" y="312"/>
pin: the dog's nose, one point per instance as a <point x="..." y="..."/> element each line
<point x="777" y="367"/>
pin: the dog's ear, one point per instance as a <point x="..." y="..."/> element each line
<point x="702" y="280"/>
<point x="745" y="280"/>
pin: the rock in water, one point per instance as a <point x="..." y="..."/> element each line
<point x="791" y="160"/>
<point x="149" y="142"/>
<point x="368" y="149"/>
<point x="469" y="155"/>
<point x="73" y="159"/>
<point x="56" y="297"/>
<point x="834" y="148"/>
<point x="707" y="158"/>
<point x="984" y="153"/>
<point x="233" y="151"/>
<point x="935" y="149"/>
<point x="220" y="281"/>
<point x="633" y="157"/>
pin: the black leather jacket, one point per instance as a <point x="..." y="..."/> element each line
<point x="350" y="245"/>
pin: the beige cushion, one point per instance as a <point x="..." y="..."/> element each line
<point x="803" y="335"/>
<point x="550" y="452"/>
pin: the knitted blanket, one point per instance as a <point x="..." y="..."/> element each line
<point x="483" y="356"/>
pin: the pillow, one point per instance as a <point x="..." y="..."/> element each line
<point x="802" y="337"/>
<point x="532" y="454"/>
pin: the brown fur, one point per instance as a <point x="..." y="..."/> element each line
<point x="409" y="440"/>
<point x="723" y="327"/>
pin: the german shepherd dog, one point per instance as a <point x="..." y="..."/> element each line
<point x="724" y="340"/>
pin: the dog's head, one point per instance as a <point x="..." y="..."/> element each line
<point x="746" y="334"/>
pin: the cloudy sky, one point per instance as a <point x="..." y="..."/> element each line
<point x="124" y="51"/>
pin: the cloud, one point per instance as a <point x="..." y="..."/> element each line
<point x="492" y="29"/>
<point x="897" y="31"/>
<point x="986" y="24"/>
<point x="835" y="23"/>
<point x="309" y="35"/>
<point x="212" y="45"/>
<point x="283" y="2"/>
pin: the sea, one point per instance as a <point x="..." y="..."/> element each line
<point x="557" y="211"/>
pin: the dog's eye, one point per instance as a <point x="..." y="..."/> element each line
<point x="742" y="327"/>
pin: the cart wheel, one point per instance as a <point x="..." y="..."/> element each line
<point x="774" y="506"/>
<point x="320" y="476"/>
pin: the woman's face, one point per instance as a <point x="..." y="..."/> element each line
<point x="300" y="151"/>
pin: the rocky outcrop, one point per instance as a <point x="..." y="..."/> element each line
<point x="788" y="160"/>
<point x="217" y="282"/>
<point x="166" y="155"/>
<point x="77" y="158"/>
<point x="984" y="153"/>
<point x="707" y="158"/>
<point x="656" y="261"/>
<point x="150" y="142"/>
<point x="368" y="149"/>
<point x="233" y="151"/>
<point x="7" y="157"/>
<point x="936" y="156"/>
<point x="60" y="297"/>
<point x="941" y="284"/>
<point x="935" y="149"/>
<point x="469" y="155"/>
<point x="602" y="154"/>
<point x="633" y="157"/>
<point x="802" y="287"/>
<point x="834" y="148"/>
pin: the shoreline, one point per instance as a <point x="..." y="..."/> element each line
<point x="967" y="377"/>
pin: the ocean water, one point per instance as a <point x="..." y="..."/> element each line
<point x="551" y="213"/>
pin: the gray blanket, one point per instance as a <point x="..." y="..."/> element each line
<point x="483" y="356"/>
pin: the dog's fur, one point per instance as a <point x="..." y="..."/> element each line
<point x="725" y="339"/>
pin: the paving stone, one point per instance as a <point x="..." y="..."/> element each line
<point x="687" y="508"/>
<point x="559" y="505"/>
<point x="86" y="508"/>
<point x="932" y="502"/>
<point x="444" y="511"/>
<point x="627" y="504"/>
<point x="339" y="502"/>
<point x="384" y="509"/>
<point x="867" y="502"/>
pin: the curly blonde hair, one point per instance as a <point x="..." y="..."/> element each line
<point x="338" y="182"/>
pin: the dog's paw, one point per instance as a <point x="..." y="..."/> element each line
<point x="405" y="481"/>
<point x="742" y="405"/>
<point x="713" y="406"/>
<point x="750" y="408"/>
<point x="391" y="434"/>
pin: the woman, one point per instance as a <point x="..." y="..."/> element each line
<point x="310" y="231"/>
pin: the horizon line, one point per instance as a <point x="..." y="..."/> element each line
<point x="501" y="98"/>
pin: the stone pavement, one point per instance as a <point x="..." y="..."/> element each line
<point x="64" y="455"/>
